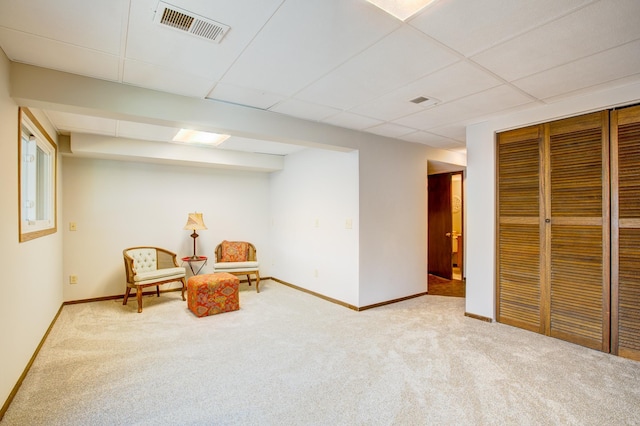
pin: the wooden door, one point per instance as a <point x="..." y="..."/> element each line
<point x="519" y="257"/>
<point x="440" y="225"/>
<point x="553" y="273"/>
<point x="625" y="228"/>
<point x="577" y="229"/>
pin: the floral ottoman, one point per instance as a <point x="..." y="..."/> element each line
<point x="211" y="294"/>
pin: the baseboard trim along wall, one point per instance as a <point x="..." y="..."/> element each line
<point x="478" y="317"/>
<point x="346" y="305"/>
<point x="15" y="389"/>
<point x="389" y="302"/>
<point x="313" y="293"/>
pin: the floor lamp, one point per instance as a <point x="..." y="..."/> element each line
<point x="195" y="223"/>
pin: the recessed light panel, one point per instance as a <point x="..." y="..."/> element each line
<point x="198" y="137"/>
<point x="401" y="9"/>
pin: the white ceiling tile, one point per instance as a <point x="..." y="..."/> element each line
<point x="593" y="70"/>
<point x="390" y="130"/>
<point x="306" y="110"/>
<point x="493" y="100"/>
<point x="97" y="25"/>
<point x="580" y="34"/>
<point x="457" y="132"/>
<point x="149" y="132"/>
<point x="472" y="107"/>
<point x="169" y="48"/>
<point x="472" y="26"/>
<point x="621" y="82"/>
<point x="30" y="49"/>
<point x="453" y="82"/>
<point x="69" y="122"/>
<point x="430" y="139"/>
<point x="434" y="117"/>
<point x="306" y="39"/>
<point x="172" y="81"/>
<point x="399" y="59"/>
<point x="351" y="121"/>
<point x="244" y="96"/>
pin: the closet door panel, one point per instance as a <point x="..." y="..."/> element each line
<point x="625" y="137"/>
<point x="518" y="252"/>
<point x="576" y="285"/>
<point x="579" y="218"/>
<point x="629" y="294"/>
<point x="519" y="276"/>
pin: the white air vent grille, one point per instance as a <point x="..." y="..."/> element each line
<point x="182" y="20"/>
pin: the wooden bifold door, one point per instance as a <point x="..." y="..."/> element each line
<point x="568" y="243"/>
<point x="625" y="230"/>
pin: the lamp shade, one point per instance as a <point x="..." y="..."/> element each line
<point x="195" y="222"/>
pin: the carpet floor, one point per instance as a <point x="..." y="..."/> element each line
<point x="289" y="358"/>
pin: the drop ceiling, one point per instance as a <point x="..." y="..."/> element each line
<point x="340" y="62"/>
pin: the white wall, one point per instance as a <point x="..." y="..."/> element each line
<point x="31" y="286"/>
<point x="480" y="185"/>
<point x="311" y="201"/>
<point x="393" y="220"/>
<point x="120" y="204"/>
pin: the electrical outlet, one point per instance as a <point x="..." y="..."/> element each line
<point x="348" y="224"/>
<point x="315" y="273"/>
<point x="73" y="279"/>
<point x="72" y="226"/>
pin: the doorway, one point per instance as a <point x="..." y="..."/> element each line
<point x="445" y="225"/>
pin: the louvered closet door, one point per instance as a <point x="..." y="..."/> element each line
<point x="518" y="251"/>
<point x="625" y="156"/>
<point x="577" y="231"/>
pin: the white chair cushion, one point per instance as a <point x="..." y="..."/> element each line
<point x="159" y="275"/>
<point x="144" y="259"/>
<point x="236" y="265"/>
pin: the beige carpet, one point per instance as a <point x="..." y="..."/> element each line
<point x="289" y="358"/>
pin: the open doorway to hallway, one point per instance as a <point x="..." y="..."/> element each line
<point x="445" y="239"/>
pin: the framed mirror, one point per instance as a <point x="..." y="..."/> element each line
<point x="37" y="171"/>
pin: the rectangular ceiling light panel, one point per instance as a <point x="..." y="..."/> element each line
<point x="401" y="9"/>
<point x="183" y="20"/>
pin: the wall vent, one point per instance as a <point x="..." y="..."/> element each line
<point x="182" y="20"/>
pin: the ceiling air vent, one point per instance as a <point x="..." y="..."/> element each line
<point x="182" y="20"/>
<point x="424" y="102"/>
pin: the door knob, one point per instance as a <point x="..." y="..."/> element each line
<point x="448" y="234"/>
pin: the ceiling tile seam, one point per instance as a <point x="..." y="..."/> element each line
<point x="533" y="98"/>
<point x="170" y="69"/>
<point x="573" y="60"/>
<point x="351" y="108"/>
<point x="396" y="88"/>
<point x="575" y="92"/>
<point x="504" y="81"/>
<point x="249" y="43"/>
<point x="65" y="43"/>
<point x="361" y="51"/>
<point x="537" y="26"/>
<point x="435" y="134"/>
<point x="124" y="40"/>
<point x="328" y="119"/>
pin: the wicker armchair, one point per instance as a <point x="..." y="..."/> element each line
<point x="150" y="266"/>
<point x="238" y="258"/>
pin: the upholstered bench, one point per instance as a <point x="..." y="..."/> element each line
<point x="211" y="294"/>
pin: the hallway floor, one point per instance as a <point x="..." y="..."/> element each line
<point x="438" y="286"/>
